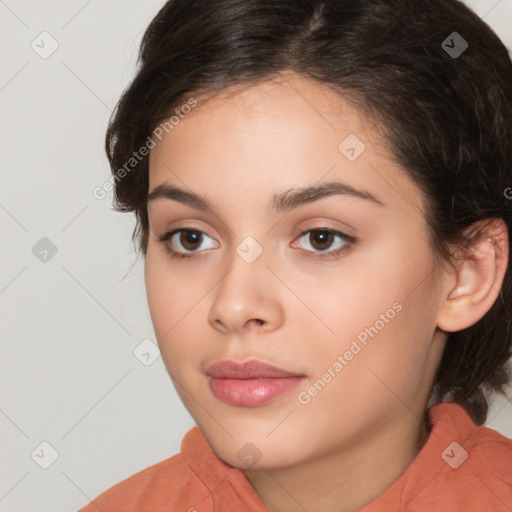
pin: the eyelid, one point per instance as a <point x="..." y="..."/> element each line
<point x="323" y="223"/>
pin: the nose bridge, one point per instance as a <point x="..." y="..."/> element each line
<point x="245" y="293"/>
<point x="246" y="272"/>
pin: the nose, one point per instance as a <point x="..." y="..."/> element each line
<point x="246" y="298"/>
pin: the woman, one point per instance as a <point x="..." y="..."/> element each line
<point x="321" y="204"/>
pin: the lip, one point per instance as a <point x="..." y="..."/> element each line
<point x="250" y="383"/>
<point x="251" y="369"/>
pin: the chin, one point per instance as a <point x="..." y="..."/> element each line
<point x="253" y="451"/>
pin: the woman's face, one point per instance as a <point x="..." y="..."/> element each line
<point x="352" y="316"/>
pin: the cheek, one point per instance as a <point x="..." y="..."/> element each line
<point x="171" y="293"/>
<point x="174" y="301"/>
<point x="381" y="323"/>
<point x="375" y="381"/>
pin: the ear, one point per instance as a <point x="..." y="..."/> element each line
<point x="472" y="289"/>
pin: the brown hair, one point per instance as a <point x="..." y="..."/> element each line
<point x="445" y="110"/>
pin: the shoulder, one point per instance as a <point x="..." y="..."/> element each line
<point x="157" y="488"/>
<point x="172" y="484"/>
<point x="477" y="466"/>
<point x="491" y="454"/>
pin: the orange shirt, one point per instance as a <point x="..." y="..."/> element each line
<point x="461" y="468"/>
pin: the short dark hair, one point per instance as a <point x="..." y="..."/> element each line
<point x="444" y="109"/>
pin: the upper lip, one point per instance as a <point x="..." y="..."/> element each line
<point x="252" y="369"/>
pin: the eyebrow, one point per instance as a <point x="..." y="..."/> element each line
<point x="285" y="201"/>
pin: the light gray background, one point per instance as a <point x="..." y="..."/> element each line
<point x="69" y="376"/>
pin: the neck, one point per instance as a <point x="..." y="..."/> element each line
<point x="348" y="479"/>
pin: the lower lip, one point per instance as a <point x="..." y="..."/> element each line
<point x="252" y="392"/>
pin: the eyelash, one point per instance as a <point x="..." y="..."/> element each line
<point x="321" y="256"/>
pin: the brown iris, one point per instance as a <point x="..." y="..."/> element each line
<point x="190" y="237"/>
<point x="321" y="237"/>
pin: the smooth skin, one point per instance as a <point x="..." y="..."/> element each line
<point x="357" y="435"/>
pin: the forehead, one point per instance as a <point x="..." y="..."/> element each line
<point x="290" y="104"/>
<point x="285" y="132"/>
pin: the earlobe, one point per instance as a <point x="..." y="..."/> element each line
<point x="479" y="277"/>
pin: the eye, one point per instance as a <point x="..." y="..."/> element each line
<point x="189" y="241"/>
<point x="321" y="242"/>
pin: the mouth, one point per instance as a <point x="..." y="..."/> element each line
<point x="251" y="383"/>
